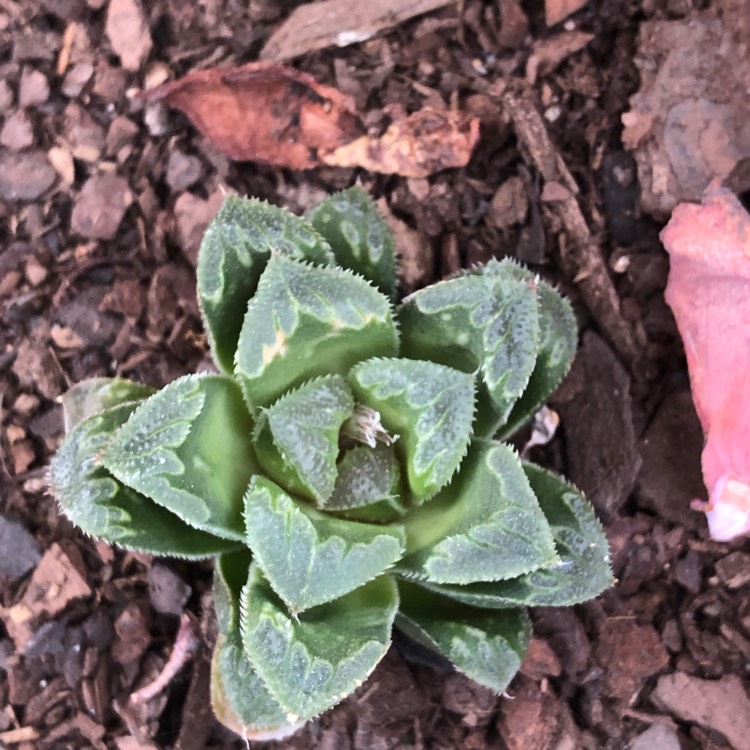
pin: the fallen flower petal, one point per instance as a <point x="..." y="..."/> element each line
<point x="709" y="293"/>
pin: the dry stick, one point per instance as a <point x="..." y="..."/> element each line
<point x="185" y="645"/>
<point x="580" y="256"/>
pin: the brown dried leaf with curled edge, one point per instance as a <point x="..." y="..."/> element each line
<point x="264" y="112"/>
<point x="422" y="144"/>
<point x="273" y="113"/>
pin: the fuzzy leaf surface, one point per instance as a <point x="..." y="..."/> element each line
<point x="485" y="526"/>
<point x="305" y="425"/>
<point x="312" y="662"/>
<point x="430" y="407"/>
<point x="106" y="509"/>
<point x="558" y="337"/>
<point x="306" y="321"/>
<point x="484" y="323"/>
<point x="359" y="236"/>
<point x="583" y="570"/>
<point x="235" y="249"/>
<point x="488" y="646"/>
<point x="94" y="395"/>
<point x="310" y="557"/>
<point x="189" y="448"/>
<point x="368" y="485"/>
<point x="238" y="695"/>
<point x="230" y="575"/>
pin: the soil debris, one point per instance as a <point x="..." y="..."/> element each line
<point x="597" y="420"/>
<point x="19" y="551"/>
<point x="686" y="125"/>
<point x="100" y="207"/>
<point x="25" y="175"/>
<point x="271" y="113"/>
<point x="339" y="23"/>
<point x="128" y="32"/>
<point x="556" y="11"/>
<point x="720" y="705"/>
<point x="58" y="580"/>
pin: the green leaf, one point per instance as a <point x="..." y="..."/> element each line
<point x="310" y="557"/>
<point x="230" y="575"/>
<point x="102" y="507"/>
<point x="305" y="426"/>
<point x="238" y="695"/>
<point x="557" y="344"/>
<point x="485" y="526"/>
<point x="368" y="486"/>
<point x="94" y="395"/>
<point x="235" y="249"/>
<point x="189" y="448"/>
<point x="477" y="323"/>
<point x="583" y="570"/>
<point x="359" y="236"/>
<point x="306" y="321"/>
<point x="488" y="646"/>
<point x="429" y="406"/>
<point x="312" y="662"/>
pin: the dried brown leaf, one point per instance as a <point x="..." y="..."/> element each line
<point x="273" y="113"/>
<point x="264" y="112"/>
<point x="418" y="146"/>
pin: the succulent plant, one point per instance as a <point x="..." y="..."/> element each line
<point x="346" y="466"/>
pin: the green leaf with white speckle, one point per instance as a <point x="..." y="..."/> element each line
<point x="94" y="395"/>
<point x="583" y="570"/>
<point x="557" y="344"/>
<point x="312" y="662"/>
<point x="304" y="425"/>
<point x="306" y="321"/>
<point x="485" y="526"/>
<point x="358" y="235"/>
<point x="485" y="645"/>
<point x="429" y="406"/>
<point x="106" y="509"/>
<point x="239" y="697"/>
<point x="311" y="557"/>
<point x="235" y="249"/>
<point x="189" y="448"/>
<point x="477" y="323"/>
<point x="368" y="485"/>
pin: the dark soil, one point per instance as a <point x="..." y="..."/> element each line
<point x="104" y="206"/>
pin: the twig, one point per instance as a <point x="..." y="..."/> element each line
<point x="580" y="256"/>
<point x="185" y="646"/>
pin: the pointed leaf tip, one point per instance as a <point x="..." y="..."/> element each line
<point x="312" y="662"/>
<point x="235" y="249"/>
<point x="477" y="323"/>
<point x="306" y="321"/>
<point x="304" y="425"/>
<point x="189" y="448"/>
<point x="429" y="406"/>
<point x="359" y="236"/>
<point x="303" y="552"/>
<point x="485" y="526"/>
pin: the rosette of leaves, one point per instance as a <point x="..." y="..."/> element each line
<point x="346" y="464"/>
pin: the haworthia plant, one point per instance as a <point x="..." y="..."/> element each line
<point x="346" y="466"/>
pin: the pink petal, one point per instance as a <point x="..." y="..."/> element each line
<point x="709" y="293"/>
